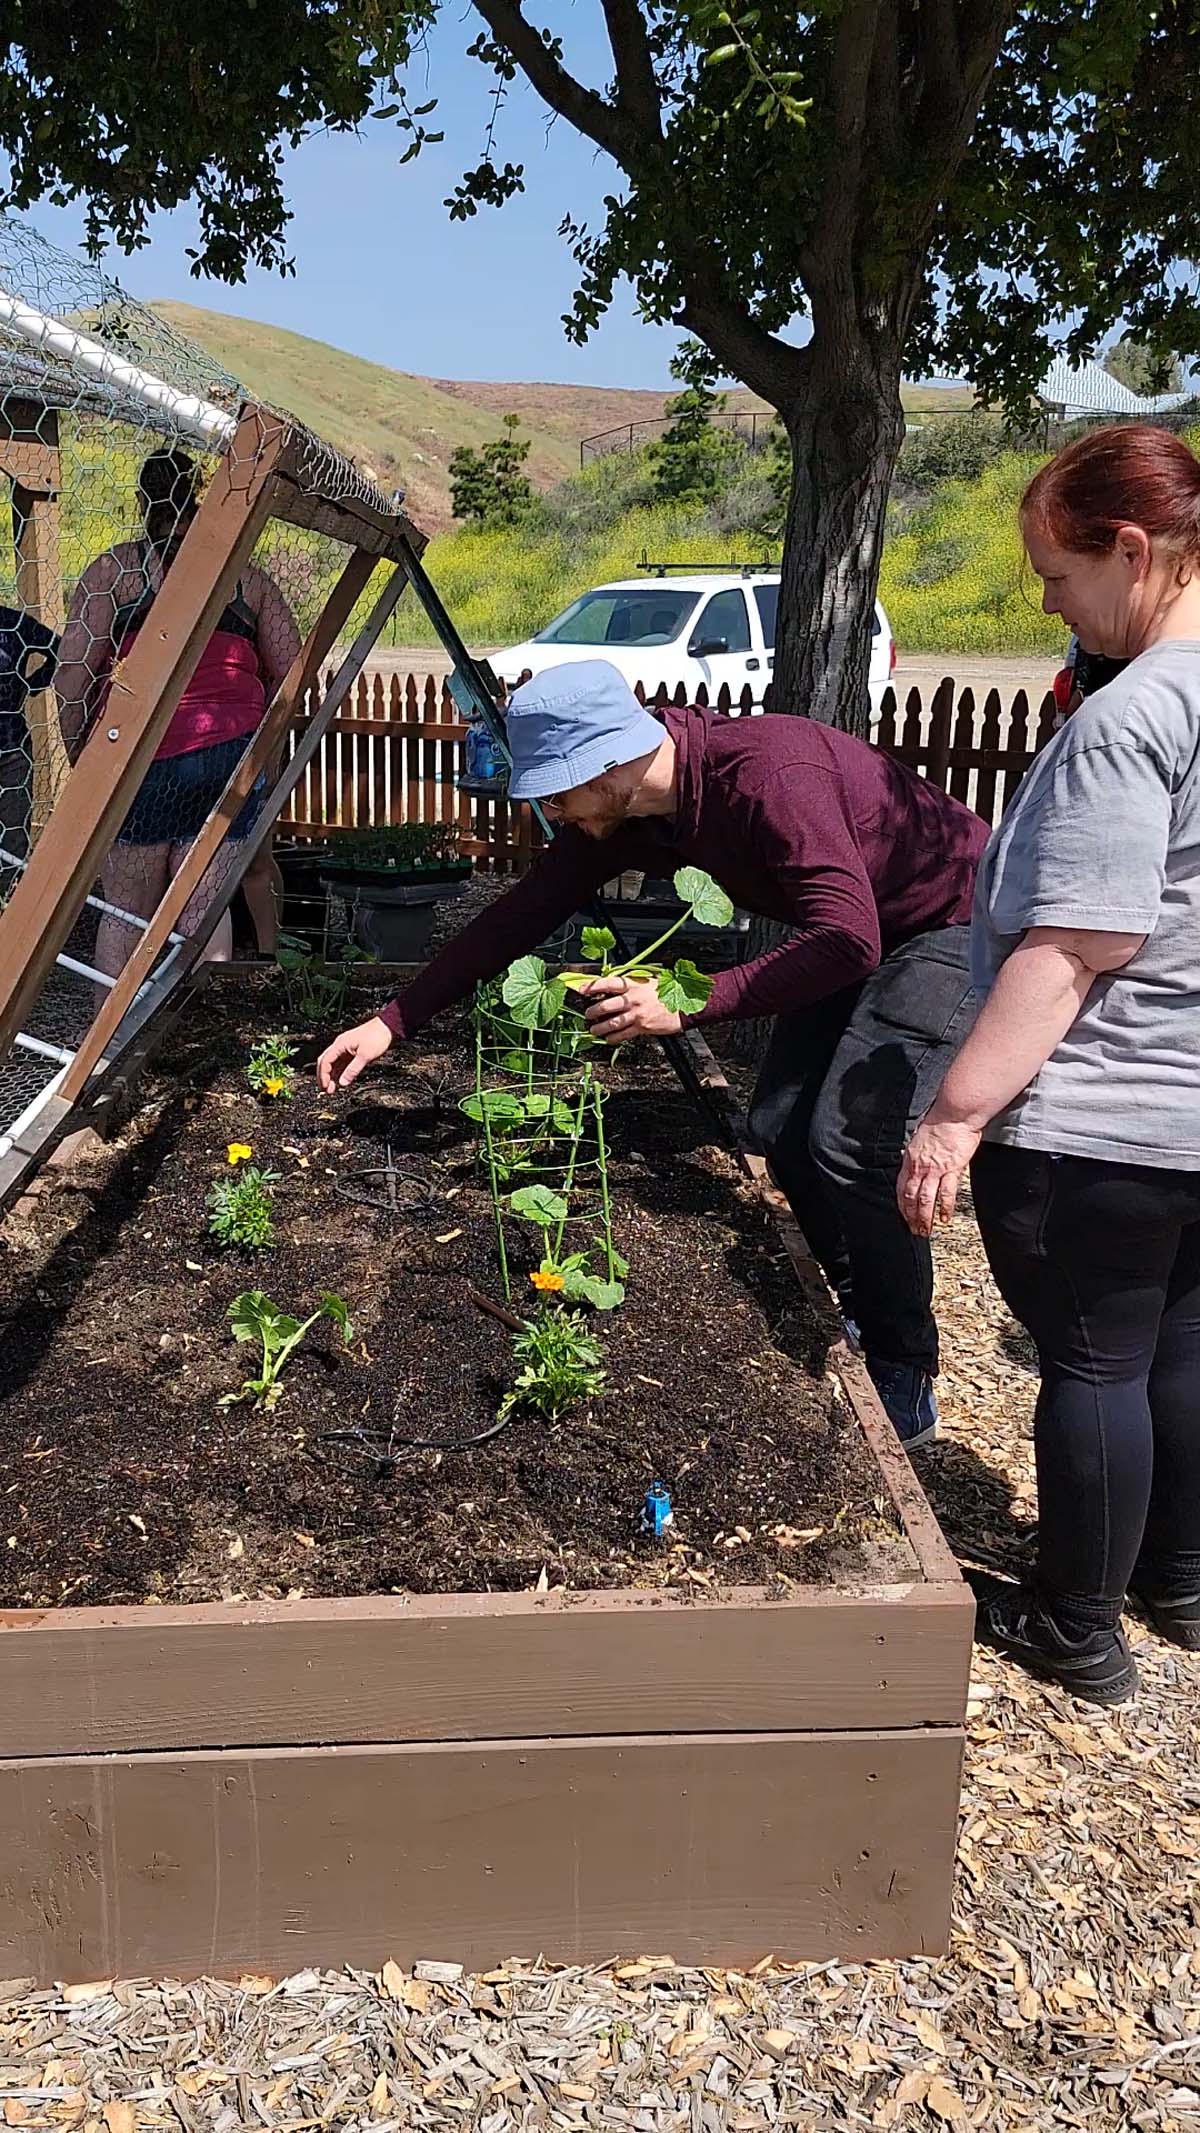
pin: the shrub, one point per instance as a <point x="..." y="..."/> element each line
<point x="950" y="448"/>
<point x="989" y="601"/>
<point x="490" y="486"/>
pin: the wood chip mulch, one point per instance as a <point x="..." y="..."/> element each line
<point x="1070" y="1998"/>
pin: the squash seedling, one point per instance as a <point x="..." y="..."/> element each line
<point x="681" y="987"/>
<point x="253" y="1317"/>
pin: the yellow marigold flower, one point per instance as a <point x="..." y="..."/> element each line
<point x="273" y="1086"/>
<point x="546" y="1279"/>
<point x="238" y="1152"/>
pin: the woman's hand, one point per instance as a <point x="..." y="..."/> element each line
<point x="932" y="1171"/>
<point x="343" y="1061"/>
<point x="625" y="1007"/>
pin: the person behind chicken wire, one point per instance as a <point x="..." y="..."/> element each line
<point x="245" y="659"/>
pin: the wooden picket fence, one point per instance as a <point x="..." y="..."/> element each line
<point x="396" y="754"/>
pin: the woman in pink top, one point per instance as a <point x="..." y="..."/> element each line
<point x="245" y="659"/>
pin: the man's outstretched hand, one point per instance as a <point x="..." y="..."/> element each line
<point x="343" y="1061"/>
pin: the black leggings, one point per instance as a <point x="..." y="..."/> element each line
<point x="1101" y="1261"/>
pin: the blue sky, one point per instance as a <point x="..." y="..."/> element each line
<point x="381" y="270"/>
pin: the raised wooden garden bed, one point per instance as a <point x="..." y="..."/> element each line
<point x="742" y="1741"/>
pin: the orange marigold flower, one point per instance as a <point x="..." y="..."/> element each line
<point x="546" y="1278"/>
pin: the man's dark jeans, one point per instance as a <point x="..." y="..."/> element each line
<point x="842" y="1086"/>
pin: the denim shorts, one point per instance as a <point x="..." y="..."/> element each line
<point x="179" y="792"/>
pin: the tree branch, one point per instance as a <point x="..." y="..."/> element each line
<point x="835" y="223"/>
<point x="941" y="70"/>
<point x="772" y="367"/>
<point x="637" y="83"/>
<point x="886" y="96"/>
<point x="602" y="122"/>
<point x="959" y="41"/>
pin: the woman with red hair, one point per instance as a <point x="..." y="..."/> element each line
<point x="1076" y="1098"/>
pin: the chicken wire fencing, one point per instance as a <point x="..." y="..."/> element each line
<point x="113" y="430"/>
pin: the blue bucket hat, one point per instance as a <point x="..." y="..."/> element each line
<point x="570" y="724"/>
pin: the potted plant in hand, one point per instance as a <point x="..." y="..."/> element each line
<point x="392" y="878"/>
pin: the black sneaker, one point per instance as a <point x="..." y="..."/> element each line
<point x="1175" y="1615"/>
<point x="1098" y="1667"/>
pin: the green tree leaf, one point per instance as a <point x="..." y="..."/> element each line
<point x="253" y="1317"/>
<point x="542" y="1106"/>
<point x="708" y="901"/>
<point x="684" y="989"/>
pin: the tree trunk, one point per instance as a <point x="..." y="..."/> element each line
<point x="845" y="435"/>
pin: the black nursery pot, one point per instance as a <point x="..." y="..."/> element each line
<point x="393" y="909"/>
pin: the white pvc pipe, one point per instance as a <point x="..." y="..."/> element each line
<point x="43" y="1050"/>
<point x="186" y="412"/>
<point x="9" y="1140"/>
<point x="129" y="918"/>
<point x="83" y="970"/>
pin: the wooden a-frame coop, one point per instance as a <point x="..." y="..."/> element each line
<point x="91" y="383"/>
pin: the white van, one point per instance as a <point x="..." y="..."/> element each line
<point x="671" y="626"/>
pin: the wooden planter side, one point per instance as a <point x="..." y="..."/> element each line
<point x="479" y="1667"/>
<point x="268" y="1785"/>
<point x="716" y="1849"/>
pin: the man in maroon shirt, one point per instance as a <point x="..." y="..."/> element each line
<point x="872" y="870"/>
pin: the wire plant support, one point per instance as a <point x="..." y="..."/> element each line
<point x="538" y="1110"/>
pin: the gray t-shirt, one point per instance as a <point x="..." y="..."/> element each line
<point x="1104" y="834"/>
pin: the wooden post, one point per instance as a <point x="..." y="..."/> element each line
<point x="29" y="456"/>
<point x="938" y="764"/>
<point x="144" y="693"/>
<point x="39" y="590"/>
<point x="288" y="697"/>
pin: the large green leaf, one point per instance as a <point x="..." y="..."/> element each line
<point x="540" y="1105"/>
<point x="532" y="998"/>
<point x="579" y="1287"/>
<point x="684" y="989"/>
<point x="253" y="1317"/>
<point x="538" y="1204"/>
<point x="709" y="903"/>
<point x="498" y="1106"/>
<point x="597" y="941"/>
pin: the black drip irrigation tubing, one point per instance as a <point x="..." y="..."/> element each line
<point x="387" y="1453"/>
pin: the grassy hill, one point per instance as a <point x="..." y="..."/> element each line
<point x="405" y="427"/>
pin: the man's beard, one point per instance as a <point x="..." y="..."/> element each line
<point x="612" y="811"/>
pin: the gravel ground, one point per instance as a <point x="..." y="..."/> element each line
<point x="1070" y="1997"/>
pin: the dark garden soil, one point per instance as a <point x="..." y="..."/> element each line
<point x="122" y="1479"/>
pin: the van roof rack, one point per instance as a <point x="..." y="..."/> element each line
<point x="728" y="569"/>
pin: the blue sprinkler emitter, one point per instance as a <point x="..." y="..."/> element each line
<point x="657" y="1514"/>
